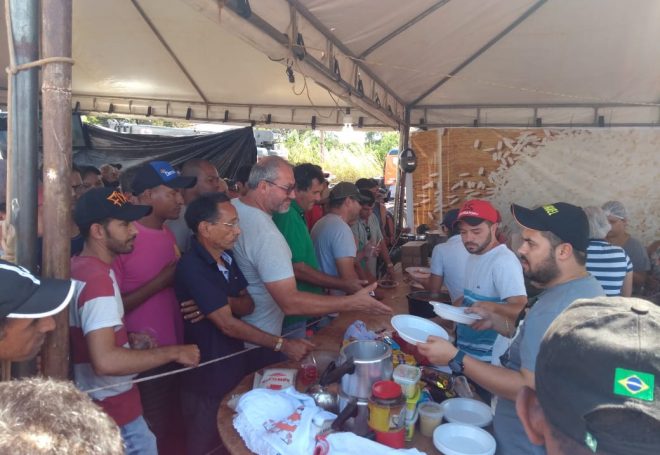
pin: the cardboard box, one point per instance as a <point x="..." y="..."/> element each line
<point x="414" y="254"/>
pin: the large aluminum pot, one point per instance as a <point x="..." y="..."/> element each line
<point x="360" y="364"/>
<point x="355" y="421"/>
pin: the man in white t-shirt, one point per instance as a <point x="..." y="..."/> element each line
<point x="448" y="260"/>
<point x="264" y="257"/>
<point x="493" y="276"/>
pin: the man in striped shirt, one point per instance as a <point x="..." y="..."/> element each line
<point x="104" y="363"/>
<point x="608" y="263"/>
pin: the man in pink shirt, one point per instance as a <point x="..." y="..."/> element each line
<point x="145" y="278"/>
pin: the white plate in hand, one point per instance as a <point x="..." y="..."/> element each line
<point x="454" y="313"/>
<point x="414" y="329"/>
<point x="419" y="273"/>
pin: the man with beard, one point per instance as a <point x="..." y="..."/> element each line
<point x="610" y="403"/>
<point x="493" y="278"/>
<point x="101" y="353"/>
<point x="553" y="253"/>
<point x="146" y="281"/>
<point x="309" y="278"/>
<point x="265" y="259"/>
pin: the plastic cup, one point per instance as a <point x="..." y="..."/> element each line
<point x="430" y="416"/>
<point x="407" y="377"/>
<point x="308" y="371"/>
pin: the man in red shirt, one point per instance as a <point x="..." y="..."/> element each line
<point x="104" y="363"/>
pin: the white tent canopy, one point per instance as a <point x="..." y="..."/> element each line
<point x="441" y="62"/>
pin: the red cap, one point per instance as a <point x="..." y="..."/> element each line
<point x="477" y="208"/>
<point x="386" y="390"/>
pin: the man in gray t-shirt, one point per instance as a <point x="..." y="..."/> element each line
<point x="332" y="236"/>
<point x="553" y="254"/>
<point x="510" y="434"/>
<point x="264" y="257"/>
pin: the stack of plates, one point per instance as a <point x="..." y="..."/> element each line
<point x="467" y="411"/>
<point x="461" y="439"/>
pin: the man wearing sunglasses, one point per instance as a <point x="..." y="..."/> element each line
<point x="265" y="260"/>
<point x="369" y="237"/>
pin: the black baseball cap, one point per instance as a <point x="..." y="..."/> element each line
<point x="342" y="190"/>
<point x="155" y="173"/>
<point x="25" y="296"/>
<point x="99" y="204"/>
<point x="566" y="221"/>
<point x="598" y="375"/>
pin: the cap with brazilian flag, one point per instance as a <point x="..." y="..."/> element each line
<point x="596" y="375"/>
<point x="634" y="384"/>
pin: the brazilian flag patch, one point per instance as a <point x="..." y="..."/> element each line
<point x="634" y="384"/>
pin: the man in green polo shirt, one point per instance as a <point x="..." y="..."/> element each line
<point x="309" y="184"/>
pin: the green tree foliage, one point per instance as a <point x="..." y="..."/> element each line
<point x="380" y="143"/>
<point x="346" y="161"/>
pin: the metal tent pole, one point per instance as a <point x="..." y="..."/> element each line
<point x="23" y="148"/>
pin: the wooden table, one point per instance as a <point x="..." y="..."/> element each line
<point x="328" y="338"/>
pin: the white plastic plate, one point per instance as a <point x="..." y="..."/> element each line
<point x="462" y="439"/>
<point x="414" y="329"/>
<point x="468" y="411"/>
<point x="453" y="313"/>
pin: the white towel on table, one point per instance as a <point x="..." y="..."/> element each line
<point x="286" y="422"/>
<point x="351" y="444"/>
<point x="273" y="422"/>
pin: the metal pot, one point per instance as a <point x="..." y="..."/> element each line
<point x="357" y="419"/>
<point x="361" y="363"/>
<point x="418" y="303"/>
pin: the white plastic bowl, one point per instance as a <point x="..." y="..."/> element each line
<point x="461" y="439"/>
<point x="467" y="411"/>
<point x="414" y="329"/>
<point x="453" y="313"/>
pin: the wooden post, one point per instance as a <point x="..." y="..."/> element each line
<point x="58" y="158"/>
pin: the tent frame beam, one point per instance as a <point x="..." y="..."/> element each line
<point x="127" y="106"/>
<point x="532" y="105"/>
<point x="169" y="50"/>
<point x="253" y="29"/>
<point x="403" y="28"/>
<point x="480" y="51"/>
<point x="304" y="12"/>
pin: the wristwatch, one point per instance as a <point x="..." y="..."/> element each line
<point x="278" y="346"/>
<point x="456" y="364"/>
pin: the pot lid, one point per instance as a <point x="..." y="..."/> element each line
<point x="386" y="390"/>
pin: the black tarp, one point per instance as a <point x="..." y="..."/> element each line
<point x="227" y="151"/>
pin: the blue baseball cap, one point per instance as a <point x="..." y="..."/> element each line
<point x="155" y="173"/>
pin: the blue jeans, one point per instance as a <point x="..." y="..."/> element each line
<point x="200" y="416"/>
<point x="138" y="439"/>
